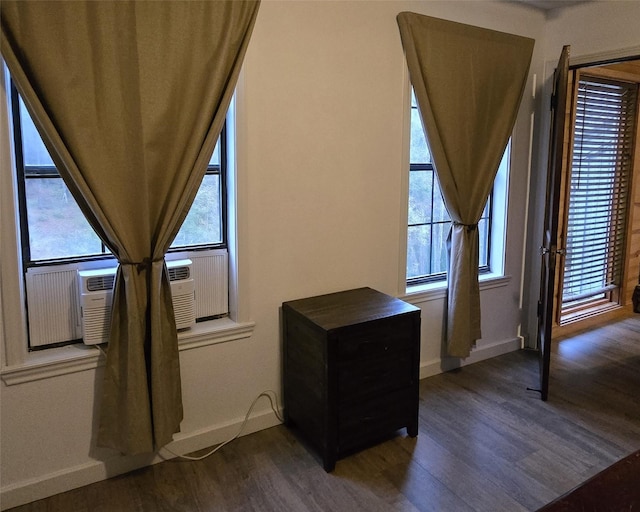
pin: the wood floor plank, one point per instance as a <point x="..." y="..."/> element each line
<point x="464" y="480"/>
<point x="425" y="491"/>
<point x="113" y="493"/>
<point x="485" y="443"/>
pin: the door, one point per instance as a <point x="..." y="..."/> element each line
<point x="549" y="250"/>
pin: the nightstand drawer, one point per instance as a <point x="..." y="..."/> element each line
<point x="372" y="376"/>
<point x="376" y="338"/>
<point x="362" y="423"/>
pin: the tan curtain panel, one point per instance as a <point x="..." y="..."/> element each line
<point x="468" y="83"/>
<point x="130" y="98"/>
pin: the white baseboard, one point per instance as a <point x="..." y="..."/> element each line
<point x="437" y="366"/>
<point x="27" y="491"/>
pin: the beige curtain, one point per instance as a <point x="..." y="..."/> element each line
<point x="130" y="98"/>
<point x="468" y="83"/>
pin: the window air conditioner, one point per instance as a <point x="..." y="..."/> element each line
<point x="96" y="292"/>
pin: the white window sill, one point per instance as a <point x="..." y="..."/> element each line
<point x="438" y="290"/>
<point x="54" y="362"/>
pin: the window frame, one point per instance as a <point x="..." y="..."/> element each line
<point x="19" y="365"/>
<point x="25" y="172"/>
<point x="441" y="277"/>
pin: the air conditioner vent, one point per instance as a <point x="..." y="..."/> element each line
<point x="95" y="289"/>
<point x="100" y="283"/>
<point x="179" y="273"/>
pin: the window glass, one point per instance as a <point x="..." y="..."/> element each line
<point x="53" y="225"/>
<point x="420" y="196"/>
<point x="57" y="227"/>
<point x="34" y="151"/>
<point x="419" y="149"/>
<point x="215" y="157"/>
<point x="203" y="224"/>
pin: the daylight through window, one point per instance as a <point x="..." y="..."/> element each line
<point x="428" y="219"/>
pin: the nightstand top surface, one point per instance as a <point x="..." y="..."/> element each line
<point x="340" y="309"/>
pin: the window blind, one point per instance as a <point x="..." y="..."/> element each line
<point x="599" y="189"/>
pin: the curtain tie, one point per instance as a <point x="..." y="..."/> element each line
<point x="470" y="227"/>
<point x="145" y="264"/>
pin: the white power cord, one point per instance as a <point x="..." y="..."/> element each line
<point x="271" y="395"/>
<point x="275" y="407"/>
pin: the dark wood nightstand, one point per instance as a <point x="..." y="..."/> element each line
<point x="351" y="369"/>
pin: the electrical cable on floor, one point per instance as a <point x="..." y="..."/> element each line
<point x="271" y="395"/>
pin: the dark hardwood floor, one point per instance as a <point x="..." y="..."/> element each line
<point x="485" y="444"/>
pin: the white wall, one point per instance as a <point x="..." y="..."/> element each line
<point x="322" y="177"/>
<point x="595" y="31"/>
<point x="594" y="28"/>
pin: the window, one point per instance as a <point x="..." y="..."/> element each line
<point x="598" y="194"/>
<point x="56" y="241"/>
<point x="428" y="219"/>
<point x="53" y="228"/>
